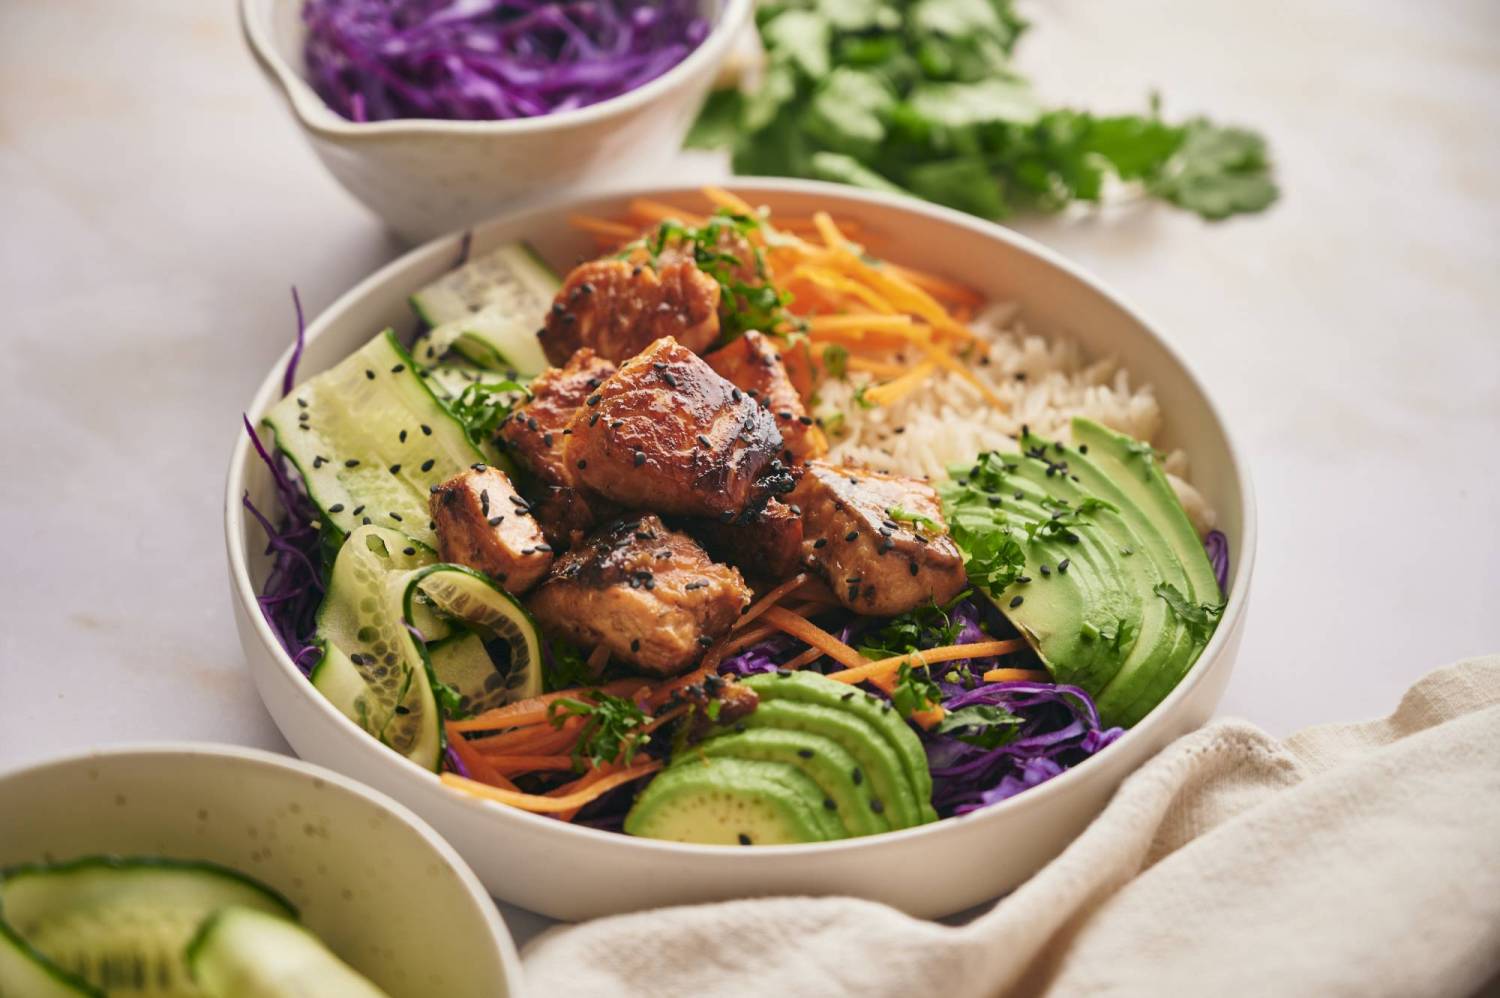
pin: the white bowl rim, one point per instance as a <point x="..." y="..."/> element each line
<point x="509" y="958"/>
<point x="1035" y="797"/>
<point x="315" y="114"/>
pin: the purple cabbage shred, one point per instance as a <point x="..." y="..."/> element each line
<point x="482" y="60"/>
<point x="1217" y="546"/>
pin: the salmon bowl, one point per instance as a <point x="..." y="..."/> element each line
<point x="782" y="613"/>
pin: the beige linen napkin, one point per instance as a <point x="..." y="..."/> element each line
<point x="1350" y="859"/>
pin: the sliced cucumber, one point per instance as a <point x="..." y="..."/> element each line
<point x="492" y="339"/>
<point x="372" y="669"/>
<point x="26" y="973"/>
<point x="370" y="440"/>
<point x="511" y="278"/>
<point x="500" y="659"/>
<point x="386" y="601"/>
<point x="122" y="924"/>
<point x="246" y="953"/>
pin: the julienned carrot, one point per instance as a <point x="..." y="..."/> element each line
<point x="938" y="286"/>
<point x="810" y="633"/>
<point x="805" y="659"/>
<point x="728" y="199"/>
<point x="832" y="237"/>
<point x="654" y="212"/>
<point x="929" y="656"/>
<point x="894" y="391"/>
<point x="604" y="227"/>
<point x="769" y="600"/>
<point x="477" y="765"/>
<point x="539" y="804"/>
<point x="533" y="710"/>
<point x="537" y="739"/>
<point x="515" y="765"/>
<point x="894" y="323"/>
<point x="1017" y="676"/>
<point x="943" y="357"/>
<point x="879" y="368"/>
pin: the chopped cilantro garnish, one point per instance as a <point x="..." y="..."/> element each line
<point x="483" y="406"/>
<point x="906" y="516"/>
<point x="982" y="725"/>
<point x="915" y="691"/>
<point x="609" y="734"/>
<point x="744" y="304"/>
<point x="835" y="360"/>
<point x="1200" y="619"/>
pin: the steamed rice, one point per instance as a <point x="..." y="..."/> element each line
<point x="946" y="422"/>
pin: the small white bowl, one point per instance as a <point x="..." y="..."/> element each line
<point x="571" y="872"/>
<point x="427" y="176"/>
<point x="374" y="882"/>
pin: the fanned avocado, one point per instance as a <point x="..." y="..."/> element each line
<point x="728" y="801"/>
<point x="812" y="688"/>
<point x="822" y="759"/>
<point x="1106" y="543"/>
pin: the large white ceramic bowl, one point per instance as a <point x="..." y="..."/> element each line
<point x="368" y="876"/>
<point x="572" y="872"/>
<point x="425" y="176"/>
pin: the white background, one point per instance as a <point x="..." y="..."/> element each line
<point x="156" y="202"/>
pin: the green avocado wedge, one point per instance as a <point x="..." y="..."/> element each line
<point x="727" y="801"/>
<point x="812" y="688"/>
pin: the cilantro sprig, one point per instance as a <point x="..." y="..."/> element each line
<point x="982" y="725"/>
<point x="922" y="97"/>
<point x="610" y="733"/>
<point x="915" y="690"/>
<point x="1200" y="619"/>
<point x="484" y="405"/>
<point x="715" y="247"/>
<point x="929" y="626"/>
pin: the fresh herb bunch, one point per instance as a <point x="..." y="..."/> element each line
<point x="716" y="246"/>
<point x="610" y="733"/>
<point x="982" y="529"/>
<point x="981" y="725"/>
<point x="915" y="690"/>
<point x="929" y="626"/>
<point x="921" y="97"/>
<point x="483" y="406"/>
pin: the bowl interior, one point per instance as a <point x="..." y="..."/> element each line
<point x="387" y="895"/>
<point x="277" y="31"/>
<point x="1055" y="299"/>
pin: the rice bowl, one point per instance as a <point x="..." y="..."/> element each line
<point x="1052" y="299"/>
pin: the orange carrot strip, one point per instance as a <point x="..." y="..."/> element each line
<point x="898" y="323"/>
<point x="829" y="231"/>
<point x="539" y="804"/>
<point x="832" y="281"/>
<point x="930" y="656"/>
<point x="879" y="368"/>
<point x="935" y="285"/>
<point x="895" y="391"/>
<point x="810" y="633"/>
<point x="539" y="739"/>
<point x="604" y="227"/>
<point x="769" y="600"/>
<point x="805" y="659"/>
<point x="514" y="765"/>
<point x="744" y="639"/>
<point x="658" y="211"/>
<point x="477" y="765"/>
<point x="961" y="369"/>
<point x="728" y="199"/>
<point x="533" y="710"/>
<point x="1017" y="676"/>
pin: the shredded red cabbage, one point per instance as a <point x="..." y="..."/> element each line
<point x="291" y="594"/>
<point x="480" y="60"/>
<point x="1217" y="546"/>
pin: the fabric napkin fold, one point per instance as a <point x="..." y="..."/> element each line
<point x="1349" y="859"/>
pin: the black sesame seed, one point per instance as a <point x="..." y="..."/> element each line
<point x="481" y="468"/>
<point x="635" y="644"/>
<point x="427" y="464"/>
<point x="877" y="805"/>
<point x="744" y="839"/>
<point x="699" y="584"/>
<point x="1024" y="579"/>
<point x="495" y="521"/>
<point x="847" y="696"/>
<point x="401" y="436"/>
<point x="582" y="463"/>
<point x="857" y="776"/>
<point x="365" y="521"/>
<point x="1062" y="566"/>
<point x="369" y="374"/>
<point x="408" y="551"/>
<point x="704" y="641"/>
<point x="639" y="459"/>
<point x="913" y="567"/>
<point x="820" y="542"/>
<point x="805" y="753"/>
<point x="352" y="463"/>
<point x="426" y="430"/>
<point x="318" y="462"/>
<point x="805" y="420"/>
<point x="395" y="516"/>
<point x="783" y="673"/>
<point x="337" y="507"/>
<point x="829" y="804"/>
<point x="852" y="535"/>
<point x="593" y="400"/>
<point x="358" y="510"/>
<point x="667" y="377"/>
<point x="547" y="439"/>
<point x="395" y="469"/>
<point x="704" y="441"/>
<point x="398" y="368"/>
<point x="302" y="403"/>
<point x="734" y="394"/>
<point x="1016" y="601"/>
<point x="1045" y="570"/>
<point x="1083" y="448"/>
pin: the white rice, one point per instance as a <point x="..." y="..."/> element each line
<point x="1044" y="383"/>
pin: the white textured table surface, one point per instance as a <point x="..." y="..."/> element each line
<point x="156" y="203"/>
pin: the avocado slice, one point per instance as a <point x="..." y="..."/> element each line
<point x="727" y="801"/>
<point x="879" y="768"/>
<point x="1101" y="536"/>
<point x="812" y="688"/>
<point x="823" y="761"/>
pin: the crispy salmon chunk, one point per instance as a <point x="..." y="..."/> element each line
<point x="753" y="364"/>
<point x="765" y="543"/>
<point x="482" y="522"/>
<point x="617" y="308"/>
<point x="861" y="533"/>
<point x="536" y="432"/>
<point x="650" y="595"/>
<point x="668" y="434"/>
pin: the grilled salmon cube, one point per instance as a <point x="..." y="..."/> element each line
<point x="764" y="544"/>
<point x="567" y="515"/>
<point x="536" y="431"/>
<point x="619" y="307"/>
<point x="861" y="532"/>
<point x="482" y="522"/>
<point x="651" y="595"/>
<point x="668" y="434"/>
<point x="753" y="364"/>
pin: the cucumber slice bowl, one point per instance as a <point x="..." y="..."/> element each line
<point x="125" y="853"/>
<point x="387" y="600"/>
